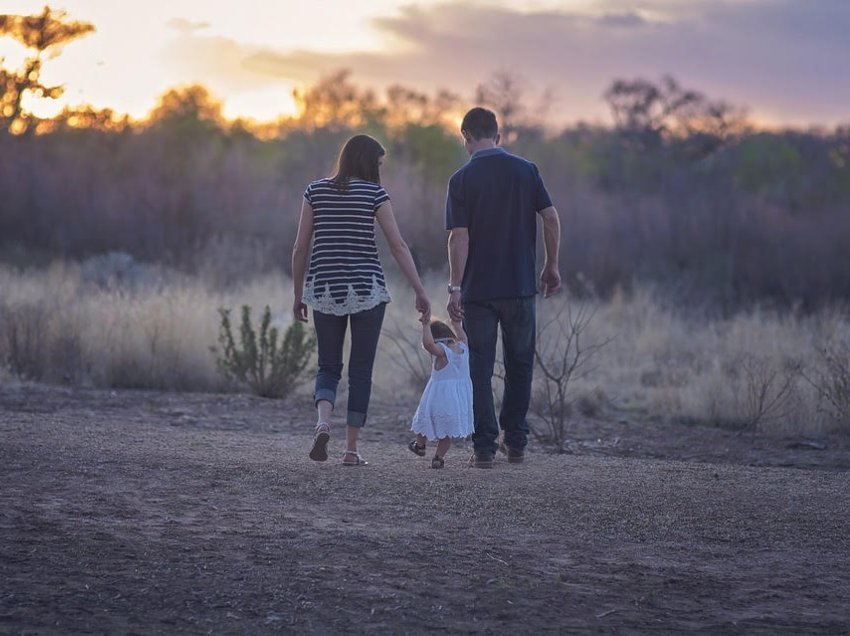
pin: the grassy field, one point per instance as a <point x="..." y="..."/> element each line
<point x="130" y="326"/>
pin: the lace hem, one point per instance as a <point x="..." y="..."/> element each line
<point x="351" y="304"/>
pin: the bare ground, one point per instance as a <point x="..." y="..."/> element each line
<point x="138" y="512"/>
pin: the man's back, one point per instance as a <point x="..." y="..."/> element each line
<point x="496" y="196"/>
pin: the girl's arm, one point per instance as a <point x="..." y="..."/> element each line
<point x="300" y="251"/>
<point x="457" y="327"/>
<point x="428" y="342"/>
<point x="402" y="256"/>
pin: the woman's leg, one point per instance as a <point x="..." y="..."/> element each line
<point x="365" y="332"/>
<point x="330" y="336"/>
<point x="443" y="446"/>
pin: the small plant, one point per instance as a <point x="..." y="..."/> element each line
<point x="769" y="388"/>
<point x="832" y="381"/>
<point x="561" y="357"/>
<point x="24" y="343"/>
<point x="411" y="360"/>
<point x="271" y="369"/>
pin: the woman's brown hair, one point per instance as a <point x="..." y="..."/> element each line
<point x="359" y="159"/>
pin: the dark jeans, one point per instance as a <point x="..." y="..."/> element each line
<point x="330" y="335"/>
<point x="482" y="320"/>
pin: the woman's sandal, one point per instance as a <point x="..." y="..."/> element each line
<point x="415" y="448"/>
<point x="359" y="461"/>
<point x="438" y="462"/>
<point x="319" y="452"/>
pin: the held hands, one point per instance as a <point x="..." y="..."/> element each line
<point x="423" y="306"/>
<point x="550" y="280"/>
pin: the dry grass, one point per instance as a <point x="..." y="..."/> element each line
<point x="58" y="326"/>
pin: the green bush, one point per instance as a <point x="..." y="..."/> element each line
<point x="271" y="369"/>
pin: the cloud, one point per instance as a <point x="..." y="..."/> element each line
<point x="782" y="58"/>
<point x="217" y="61"/>
<point x="185" y="26"/>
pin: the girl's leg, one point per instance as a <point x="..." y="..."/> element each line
<point x="443" y="445"/>
<point x="417" y="445"/>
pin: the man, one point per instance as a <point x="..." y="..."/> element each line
<point x="491" y="214"/>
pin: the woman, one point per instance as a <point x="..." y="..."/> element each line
<point x="345" y="282"/>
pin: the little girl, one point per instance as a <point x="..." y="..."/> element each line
<point x="445" y="410"/>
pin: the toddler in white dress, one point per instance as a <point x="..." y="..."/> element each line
<point x="445" y="410"/>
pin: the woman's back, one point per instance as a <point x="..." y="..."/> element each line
<point x="345" y="273"/>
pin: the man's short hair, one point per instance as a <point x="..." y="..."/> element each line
<point x="480" y="123"/>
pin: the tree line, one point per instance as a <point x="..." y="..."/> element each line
<point x="681" y="191"/>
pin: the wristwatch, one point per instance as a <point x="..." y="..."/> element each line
<point x="453" y="288"/>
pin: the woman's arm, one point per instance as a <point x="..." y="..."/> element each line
<point x="300" y="251"/>
<point x="402" y="256"/>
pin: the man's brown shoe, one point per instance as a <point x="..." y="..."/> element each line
<point x="515" y="455"/>
<point x="481" y="461"/>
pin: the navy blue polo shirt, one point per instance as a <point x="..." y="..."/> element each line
<point x="497" y="196"/>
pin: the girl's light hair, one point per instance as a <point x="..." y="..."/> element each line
<point x="441" y="331"/>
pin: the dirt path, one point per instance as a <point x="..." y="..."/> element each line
<point x="138" y="512"/>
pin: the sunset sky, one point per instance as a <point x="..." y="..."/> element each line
<point x="788" y="61"/>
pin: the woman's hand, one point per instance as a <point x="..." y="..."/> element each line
<point x="299" y="310"/>
<point x="423" y="306"/>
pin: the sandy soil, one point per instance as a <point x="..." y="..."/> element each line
<point x="137" y="512"/>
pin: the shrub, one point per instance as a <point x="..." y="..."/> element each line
<point x="270" y="369"/>
<point x="24" y="343"/>
<point x="561" y="357"/>
<point x="769" y="388"/>
<point x="407" y="356"/>
<point x="832" y="381"/>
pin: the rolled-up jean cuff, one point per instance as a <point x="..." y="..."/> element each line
<point x="324" y="394"/>
<point x="355" y="419"/>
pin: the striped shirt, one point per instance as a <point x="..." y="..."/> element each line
<point x="345" y="274"/>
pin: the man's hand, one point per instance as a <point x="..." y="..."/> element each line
<point x="454" y="307"/>
<point x="550" y="281"/>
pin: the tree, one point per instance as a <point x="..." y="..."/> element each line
<point x="504" y="93"/>
<point x="191" y="106"/>
<point x="335" y="103"/>
<point x="648" y="114"/>
<point x="45" y="34"/>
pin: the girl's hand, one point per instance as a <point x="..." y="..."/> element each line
<point x="299" y="310"/>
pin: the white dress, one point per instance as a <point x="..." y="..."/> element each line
<point x="445" y="409"/>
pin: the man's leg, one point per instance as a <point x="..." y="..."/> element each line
<point x="518" y="337"/>
<point x="481" y="323"/>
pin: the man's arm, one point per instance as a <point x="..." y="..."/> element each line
<point x="550" y="277"/>
<point x="458" y="253"/>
